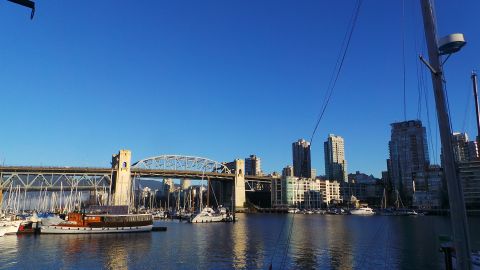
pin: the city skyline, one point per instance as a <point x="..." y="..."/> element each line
<point x="187" y="70"/>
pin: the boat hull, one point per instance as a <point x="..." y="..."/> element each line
<point x="10" y="227"/>
<point x="207" y="219"/>
<point x="55" y="229"/>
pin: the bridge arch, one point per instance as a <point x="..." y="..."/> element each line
<point x="179" y="162"/>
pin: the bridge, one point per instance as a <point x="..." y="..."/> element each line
<point x="118" y="179"/>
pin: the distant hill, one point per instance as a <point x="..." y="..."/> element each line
<point x="153" y="184"/>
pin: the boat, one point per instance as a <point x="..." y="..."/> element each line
<point x="362" y="211"/>
<point x="209" y="215"/>
<point x="2" y="232"/>
<point x="404" y="212"/>
<point x="10" y="224"/>
<point x="293" y="210"/>
<point x="110" y="220"/>
<point x="307" y="212"/>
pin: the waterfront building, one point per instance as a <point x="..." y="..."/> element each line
<point x="301" y="159"/>
<point x="313" y="173"/>
<point x="370" y="193"/>
<point x="253" y="166"/>
<point x="359" y="177"/>
<point x="428" y="187"/>
<point x="408" y="155"/>
<point x="335" y="163"/>
<point x="469" y="174"/>
<point x="330" y="191"/>
<point x="291" y="191"/>
<point x="463" y="149"/>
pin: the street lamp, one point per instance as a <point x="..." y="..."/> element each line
<point x="26" y="3"/>
<point x="451" y="44"/>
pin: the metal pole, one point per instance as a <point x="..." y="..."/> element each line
<point x="475" y="94"/>
<point x="457" y="205"/>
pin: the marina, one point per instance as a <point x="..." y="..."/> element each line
<point x="207" y="99"/>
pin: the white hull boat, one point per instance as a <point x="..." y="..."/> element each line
<point x="362" y="211"/>
<point x="209" y="215"/>
<point x="10" y="227"/>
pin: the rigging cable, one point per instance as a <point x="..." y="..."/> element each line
<point x="403" y="64"/>
<point x="338" y="66"/>
<point x="276" y="244"/>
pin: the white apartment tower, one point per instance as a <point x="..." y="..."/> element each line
<point x="335" y="163"/>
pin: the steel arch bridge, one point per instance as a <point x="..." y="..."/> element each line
<point x="164" y="166"/>
<point x="84" y="178"/>
<point x="181" y="163"/>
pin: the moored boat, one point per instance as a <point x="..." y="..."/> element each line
<point x="10" y="224"/>
<point x="362" y="211"/>
<point x="209" y="215"/>
<point x="98" y="221"/>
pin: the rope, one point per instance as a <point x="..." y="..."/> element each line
<point x="338" y="66"/>
<point x="380" y="227"/>
<point x="284" y="259"/>
<point x="276" y="243"/>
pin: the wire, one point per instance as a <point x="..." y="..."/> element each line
<point x="276" y="244"/>
<point x="404" y="64"/>
<point x="284" y="259"/>
<point x="338" y="66"/>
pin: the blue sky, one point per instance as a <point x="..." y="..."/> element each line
<point x="218" y="79"/>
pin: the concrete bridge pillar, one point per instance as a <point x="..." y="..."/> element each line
<point x="122" y="179"/>
<point x="240" y="184"/>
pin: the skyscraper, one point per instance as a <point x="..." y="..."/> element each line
<point x="253" y="165"/>
<point x="408" y="155"/>
<point x="335" y="163"/>
<point x="301" y="159"/>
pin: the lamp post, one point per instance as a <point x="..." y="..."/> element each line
<point x="447" y="46"/>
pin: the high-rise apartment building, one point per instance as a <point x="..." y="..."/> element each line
<point x="408" y="155"/>
<point x="463" y="149"/>
<point x="301" y="159"/>
<point x="253" y="165"/>
<point x="335" y="163"/>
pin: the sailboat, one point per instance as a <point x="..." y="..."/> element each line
<point x="208" y="214"/>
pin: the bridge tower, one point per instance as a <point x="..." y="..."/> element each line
<point x="240" y="184"/>
<point x="122" y="179"/>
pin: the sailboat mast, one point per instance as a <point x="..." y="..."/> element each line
<point x="457" y="204"/>
<point x="475" y="94"/>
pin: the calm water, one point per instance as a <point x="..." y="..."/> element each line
<point x="317" y="242"/>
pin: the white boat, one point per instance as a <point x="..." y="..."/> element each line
<point x="362" y="211"/>
<point x="10" y="227"/>
<point x="209" y="215"/>
<point x="2" y="232"/>
<point x="293" y="210"/>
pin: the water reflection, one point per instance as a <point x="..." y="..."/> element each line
<point x="339" y="245"/>
<point x="317" y="242"/>
<point x="9" y="252"/>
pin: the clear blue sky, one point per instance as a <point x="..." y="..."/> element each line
<point x="218" y="79"/>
